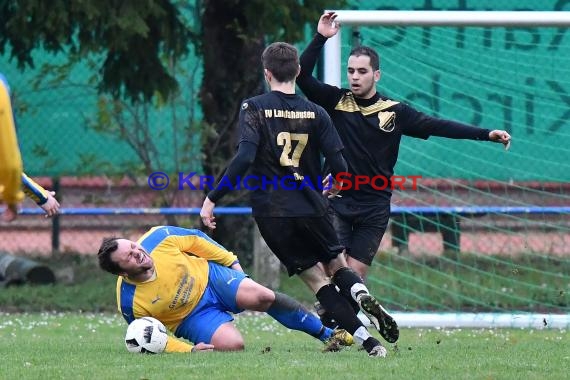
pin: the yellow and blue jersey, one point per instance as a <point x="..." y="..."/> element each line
<point x="10" y="158"/>
<point x="180" y="258"/>
<point x="34" y="191"/>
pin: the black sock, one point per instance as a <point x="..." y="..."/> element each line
<point x="328" y="320"/>
<point x="370" y="343"/>
<point x="345" y="278"/>
<point x="338" y="308"/>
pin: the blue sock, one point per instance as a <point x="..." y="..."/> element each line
<point x="294" y="316"/>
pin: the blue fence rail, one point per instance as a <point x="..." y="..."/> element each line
<point x="443" y="219"/>
<point x="396" y="210"/>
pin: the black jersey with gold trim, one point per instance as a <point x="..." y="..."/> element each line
<point x="371" y="129"/>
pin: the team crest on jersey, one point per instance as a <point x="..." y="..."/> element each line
<point x="244" y="106"/>
<point x="387" y="121"/>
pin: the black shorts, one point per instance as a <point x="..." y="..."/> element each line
<point x="300" y="242"/>
<point x="360" y="228"/>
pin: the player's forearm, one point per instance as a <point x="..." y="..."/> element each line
<point x="237" y="168"/>
<point x="309" y="57"/>
<point x="315" y="90"/>
<point x="454" y="130"/>
<point x="175" y="345"/>
<point x="34" y="191"/>
<point x="198" y="243"/>
<point x="336" y="163"/>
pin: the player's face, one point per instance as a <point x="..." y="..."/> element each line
<point x="132" y="258"/>
<point x="361" y="77"/>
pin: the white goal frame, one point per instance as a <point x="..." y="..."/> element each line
<point x="332" y="75"/>
<point x="332" y="50"/>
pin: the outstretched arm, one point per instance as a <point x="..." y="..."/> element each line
<point x="191" y="241"/>
<point x="321" y="93"/>
<point x="418" y="124"/>
<point x="454" y="130"/>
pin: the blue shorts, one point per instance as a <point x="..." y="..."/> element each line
<point x="213" y="310"/>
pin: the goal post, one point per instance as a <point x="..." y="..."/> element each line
<point x="332" y="50"/>
<point x="506" y="70"/>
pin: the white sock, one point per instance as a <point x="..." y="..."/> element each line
<point x="364" y="319"/>
<point x="358" y="288"/>
<point x="360" y="335"/>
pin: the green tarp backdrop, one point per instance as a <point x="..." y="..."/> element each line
<point x="505" y="78"/>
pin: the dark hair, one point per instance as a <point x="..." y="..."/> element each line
<point x="108" y="246"/>
<point x="282" y="59"/>
<point x="368" y="51"/>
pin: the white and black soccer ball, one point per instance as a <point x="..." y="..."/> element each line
<point x="146" y="335"/>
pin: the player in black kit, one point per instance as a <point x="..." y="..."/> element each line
<point x="282" y="136"/>
<point x="370" y="126"/>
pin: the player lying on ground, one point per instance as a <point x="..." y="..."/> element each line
<point x="192" y="284"/>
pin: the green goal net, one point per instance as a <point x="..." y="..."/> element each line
<point x="487" y="230"/>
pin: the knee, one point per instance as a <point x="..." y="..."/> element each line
<point x="336" y="264"/>
<point x="227" y="338"/>
<point x="229" y="343"/>
<point x="264" y="299"/>
<point x="237" y="345"/>
<point x="267" y="297"/>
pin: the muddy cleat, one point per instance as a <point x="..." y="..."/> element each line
<point x="378" y="351"/>
<point x="339" y="339"/>
<point x="374" y="348"/>
<point x="343" y="337"/>
<point x="384" y="323"/>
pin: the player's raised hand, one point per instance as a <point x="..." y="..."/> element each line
<point x="51" y="207"/>
<point x="327" y="26"/>
<point x="500" y="136"/>
<point x="201" y="347"/>
<point x="207" y="213"/>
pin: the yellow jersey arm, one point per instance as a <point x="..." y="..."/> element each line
<point x="34" y="191"/>
<point x="176" y="345"/>
<point x="200" y="244"/>
<point x="192" y="241"/>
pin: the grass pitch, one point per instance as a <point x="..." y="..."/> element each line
<point x="90" y="346"/>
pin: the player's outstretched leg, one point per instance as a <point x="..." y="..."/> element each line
<point x="350" y="283"/>
<point x="291" y="314"/>
<point x="341" y="311"/>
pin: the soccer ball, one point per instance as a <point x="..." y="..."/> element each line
<point x="146" y="335"/>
